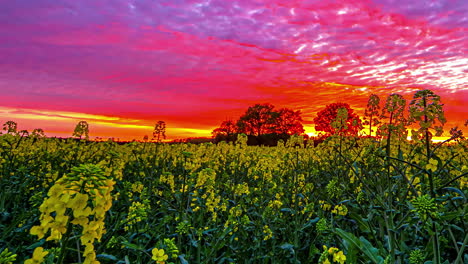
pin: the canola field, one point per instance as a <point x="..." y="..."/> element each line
<point x="342" y="201"/>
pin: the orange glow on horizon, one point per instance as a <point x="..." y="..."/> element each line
<point x="61" y="124"/>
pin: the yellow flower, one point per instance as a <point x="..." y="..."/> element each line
<point x="82" y="220"/>
<point x="61" y="220"/>
<point x="38" y="231"/>
<point x="38" y="256"/>
<point x="339" y="257"/>
<point x="88" y="236"/>
<point x="432" y="165"/>
<point x="159" y="255"/>
<point x="56" y="190"/>
<point x="55" y="235"/>
<point x="326" y="261"/>
<point x="65" y="197"/>
<point x="332" y="250"/>
<point x="82" y="212"/>
<point x="79" y="201"/>
<point x="89" y="251"/>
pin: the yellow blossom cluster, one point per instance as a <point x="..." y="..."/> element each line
<point x="340" y="209"/>
<point x="81" y="198"/>
<point x="324" y="205"/>
<point x="136" y="213"/>
<point x="137" y="187"/>
<point x="337" y="255"/>
<point x="432" y="165"/>
<point x="267" y="233"/>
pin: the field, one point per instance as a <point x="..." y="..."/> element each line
<point x="346" y="200"/>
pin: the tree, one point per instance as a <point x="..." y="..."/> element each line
<point x="159" y="132"/>
<point x="263" y="124"/>
<point x="323" y="120"/>
<point x="289" y="122"/>
<point x="372" y="112"/>
<point x="38" y="133"/>
<point x="225" y="131"/>
<point x="10" y="127"/>
<point x="81" y="129"/>
<point x="258" y="120"/>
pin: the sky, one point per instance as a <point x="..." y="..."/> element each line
<point x="123" y="65"/>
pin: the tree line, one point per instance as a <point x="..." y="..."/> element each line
<point x="261" y="121"/>
<point x="264" y="124"/>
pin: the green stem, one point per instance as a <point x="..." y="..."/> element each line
<point x="64" y="243"/>
<point x="462" y="250"/>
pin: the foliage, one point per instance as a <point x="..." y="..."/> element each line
<point x="289" y="122"/>
<point x="371" y="112"/>
<point x="393" y="119"/>
<point x="231" y="202"/>
<point x="324" y="119"/>
<point x="10" y="127"/>
<point x="81" y="130"/>
<point x="258" y="120"/>
<point x="426" y="109"/>
<point x="159" y="132"/>
<point x="263" y="122"/>
<point x="225" y="131"/>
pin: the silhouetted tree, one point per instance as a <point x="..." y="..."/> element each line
<point x="23" y="133"/>
<point x="10" y="127"/>
<point x="258" y="120"/>
<point x="38" y="133"/>
<point x="324" y="119"/>
<point x="226" y="131"/>
<point x="289" y="122"/>
<point x="81" y="129"/>
<point x="263" y="124"/>
<point x="371" y="113"/>
<point x="159" y="132"/>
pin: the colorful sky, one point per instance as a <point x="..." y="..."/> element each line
<point x="122" y="65"/>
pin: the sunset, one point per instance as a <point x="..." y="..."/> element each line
<point x="233" y="131"/>
<point x="124" y="65"/>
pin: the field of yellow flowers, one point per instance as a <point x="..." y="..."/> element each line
<point x="343" y="201"/>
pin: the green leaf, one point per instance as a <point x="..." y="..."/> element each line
<point x="363" y="226"/>
<point x="456" y="190"/>
<point x="287" y="210"/>
<point x="106" y="256"/>
<point x="182" y="259"/>
<point x="362" y="244"/>
<point x="310" y="223"/>
<point x="371" y="251"/>
<point x="35" y="245"/>
<point x="132" y="246"/>
<point x="287" y="246"/>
